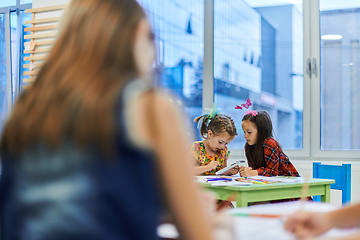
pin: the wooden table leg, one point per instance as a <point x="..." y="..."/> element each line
<point x="241" y="200"/>
<point x="326" y="196"/>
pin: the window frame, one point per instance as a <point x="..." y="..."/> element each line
<point x="317" y="153"/>
<point x="7" y="11"/>
<point x="311" y="111"/>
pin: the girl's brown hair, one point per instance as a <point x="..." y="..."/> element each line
<point x="76" y="91"/>
<point x="263" y="124"/>
<point x="218" y="124"/>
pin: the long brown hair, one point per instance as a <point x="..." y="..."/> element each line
<point x="75" y="93"/>
<point x="263" y="124"/>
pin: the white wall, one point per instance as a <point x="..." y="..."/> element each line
<point x="47" y="3"/>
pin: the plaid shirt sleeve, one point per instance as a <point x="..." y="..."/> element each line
<point x="277" y="163"/>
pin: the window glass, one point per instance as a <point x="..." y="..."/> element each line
<point x="25" y="17"/>
<point x="6" y="3"/>
<point x="258" y="54"/>
<point x="25" y="1"/>
<point x="178" y="26"/>
<point x="14" y="50"/>
<point x="339" y="74"/>
<point x="3" y="73"/>
<point x="16" y="36"/>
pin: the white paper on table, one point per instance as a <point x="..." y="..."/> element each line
<point x="231" y="183"/>
<point x="205" y="178"/>
<point x="278" y="179"/>
<point x="254" y="228"/>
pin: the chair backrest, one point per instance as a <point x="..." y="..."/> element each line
<point x="341" y="175"/>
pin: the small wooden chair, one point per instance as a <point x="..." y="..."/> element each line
<point x="341" y="175"/>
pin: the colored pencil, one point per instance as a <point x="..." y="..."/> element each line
<point x="257" y="215"/>
<point x="218" y="179"/>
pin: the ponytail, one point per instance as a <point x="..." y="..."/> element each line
<point x="203" y="122"/>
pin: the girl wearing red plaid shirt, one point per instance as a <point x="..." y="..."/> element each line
<point x="263" y="152"/>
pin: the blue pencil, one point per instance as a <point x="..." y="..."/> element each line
<point x="218" y="179"/>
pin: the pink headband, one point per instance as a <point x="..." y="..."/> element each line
<point x="252" y="112"/>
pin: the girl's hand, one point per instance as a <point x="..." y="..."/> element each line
<point x="213" y="165"/>
<point x="232" y="171"/>
<point x="247" y="172"/>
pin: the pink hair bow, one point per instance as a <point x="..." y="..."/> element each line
<point x="246" y="104"/>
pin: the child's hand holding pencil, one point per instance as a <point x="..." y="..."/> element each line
<point x="213" y="165"/>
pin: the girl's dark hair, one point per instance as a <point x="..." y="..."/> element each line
<point x="218" y="124"/>
<point x="263" y="124"/>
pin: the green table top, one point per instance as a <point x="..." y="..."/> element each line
<point x="254" y="187"/>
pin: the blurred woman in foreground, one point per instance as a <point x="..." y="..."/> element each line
<point x="90" y="148"/>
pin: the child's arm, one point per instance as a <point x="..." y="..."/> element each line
<point x="314" y="224"/>
<point x="247" y="172"/>
<point x="211" y="166"/>
<point x="198" y="170"/>
<point x="346" y="217"/>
